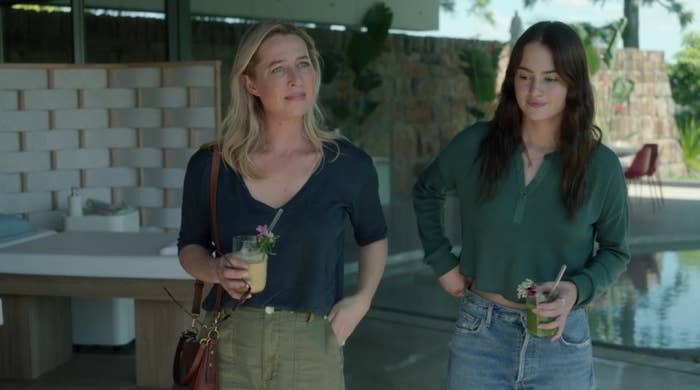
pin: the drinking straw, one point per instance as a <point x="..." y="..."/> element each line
<point x="557" y="280"/>
<point x="274" y="220"/>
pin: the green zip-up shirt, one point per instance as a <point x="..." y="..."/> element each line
<point x="524" y="231"/>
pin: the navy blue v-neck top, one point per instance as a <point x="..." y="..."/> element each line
<point x="306" y="273"/>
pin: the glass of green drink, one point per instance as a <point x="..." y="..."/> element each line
<point x="533" y="320"/>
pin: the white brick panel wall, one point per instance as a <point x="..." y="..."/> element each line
<point x="171" y="137"/>
<point x="23" y="79"/>
<point x="14" y="162"/>
<point x="111" y="177"/>
<point x="203" y="97"/>
<point x="163" y="177"/>
<point x="9" y="142"/>
<point x="24" y="202"/>
<point x="190" y="76"/>
<point x="80" y="78"/>
<point x="161" y="217"/>
<point x="109" y="98"/>
<point x="190" y="117"/>
<point x="202" y="136"/>
<point x="52" y="180"/>
<point x="135" y="77"/>
<point x="24" y="120"/>
<point x="138" y="158"/>
<point x="53" y="220"/>
<point x="82" y="158"/>
<point x="50" y="99"/>
<point x="101" y="194"/>
<point x="173" y="198"/>
<point x="140" y="196"/>
<point x="81" y="119"/>
<point x="178" y="158"/>
<point x="10" y="182"/>
<point x="164" y="97"/>
<point x="115" y="138"/>
<point x="8" y="100"/>
<point x="51" y="140"/>
<point x="137" y="117"/>
<point x="105" y="130"/>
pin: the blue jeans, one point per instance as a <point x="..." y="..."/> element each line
<point x="491" y="349"/>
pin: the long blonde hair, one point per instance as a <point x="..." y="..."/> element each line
<point x="242" y="125"/>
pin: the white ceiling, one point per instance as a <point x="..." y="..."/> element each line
<point x="408" y="14"/>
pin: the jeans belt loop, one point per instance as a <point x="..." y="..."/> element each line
<point x="489" y="314"/>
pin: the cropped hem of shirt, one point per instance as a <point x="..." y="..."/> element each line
<point x="306" y="273"/>
<point x="524" y="231"/>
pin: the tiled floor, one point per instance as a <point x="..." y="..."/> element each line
<point x="392" y="351"/>
<point x="388" y="351"/>
<point x="402" y="344"/>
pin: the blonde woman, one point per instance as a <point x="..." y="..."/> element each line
<point x="290" y="335"/>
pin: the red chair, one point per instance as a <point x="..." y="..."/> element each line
<point x="652" y="175"/>
<point x="639" y="167"/>
<point x="640" y="164"/>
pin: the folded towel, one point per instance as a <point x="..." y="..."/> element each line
<point x="12" y="225"/>
<point x="170" y="250"/>
<point x="24" y="237"/>
<point x="96" y="207"/>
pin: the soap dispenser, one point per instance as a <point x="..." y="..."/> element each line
<point x="75" y="203"/>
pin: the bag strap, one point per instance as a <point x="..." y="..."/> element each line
<point x="213" y="183"/>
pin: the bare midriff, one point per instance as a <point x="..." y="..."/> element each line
<point x="499" y="299"/>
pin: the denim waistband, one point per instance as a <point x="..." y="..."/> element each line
<point x="504" y="312"/>
<point x="497" y="310"/>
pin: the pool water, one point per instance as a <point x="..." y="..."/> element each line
<point x="655" y="304"/>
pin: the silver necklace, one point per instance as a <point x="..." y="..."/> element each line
<point x="527" y="156"/>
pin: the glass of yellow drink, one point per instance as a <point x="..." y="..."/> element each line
<point x="246" y="248"/>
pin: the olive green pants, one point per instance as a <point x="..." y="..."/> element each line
<point x="278" y="350"/>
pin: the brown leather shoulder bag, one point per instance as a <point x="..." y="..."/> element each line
<point x="195" y="363"/>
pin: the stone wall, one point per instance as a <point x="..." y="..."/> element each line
<point x="648" y="115"/>
<point x="425" y="95"/>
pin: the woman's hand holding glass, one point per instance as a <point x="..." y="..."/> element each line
<point x="559" y="308"/>
<point x="232" y="275"/>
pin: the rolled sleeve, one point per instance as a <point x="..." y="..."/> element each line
<point x="613" y="255"/>
<point x="195" y="224"/>
<point x="429" y="195"/>
<point x="366" y="215"/>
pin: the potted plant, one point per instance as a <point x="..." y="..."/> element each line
<point x="352" y="105"/>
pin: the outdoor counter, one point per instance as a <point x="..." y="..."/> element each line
<point x="38" y="276"/>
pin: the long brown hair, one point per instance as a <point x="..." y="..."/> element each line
<point x="578" y="135"/>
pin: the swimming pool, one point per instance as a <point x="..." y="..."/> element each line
<point x="655" y="304"/>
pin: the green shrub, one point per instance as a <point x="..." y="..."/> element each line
<point x="684" y="77"/>
<point x="689" y="131"/>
